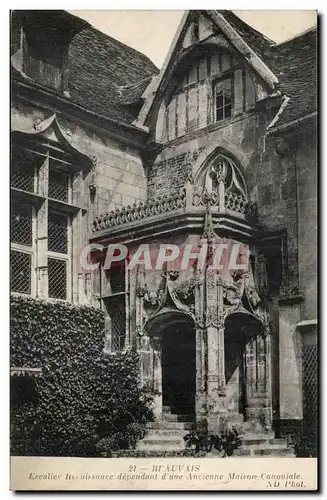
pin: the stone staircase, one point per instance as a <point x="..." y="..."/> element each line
<point x="263" y="444"/>
<point x="167" y="435"/>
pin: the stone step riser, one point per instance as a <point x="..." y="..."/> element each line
<point x="154" y="440"/>
<point x="260" y="442"/>
<point x="167" y="432"/>
<point x="269" y="452"/>
<point x="248" y="436"/>
<point x="170" y="425"/>
<point x="265" y="447"/>
<point x="159" y="449"/>
<point x="174" y="417"/>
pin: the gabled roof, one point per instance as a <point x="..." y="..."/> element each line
<point x="250" y="43"/>
<point x="290" y="67"/>
<point x="258" y="41"/>
<point x="110" y="78"/>
<point x="107" y="75"/>
<point x="295" y="64"/>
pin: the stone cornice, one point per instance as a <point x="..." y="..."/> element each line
<point x="33" y="93"/>
<point x="169" y="224"/>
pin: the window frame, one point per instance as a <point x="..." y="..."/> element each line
<point x="42" y="204"/>
<point x="108" y="296"/>
<point x="70" y="176"/>
<point x="66" y="257"/>
<point x="27" y="249"/>
<point x="228" y="75"/>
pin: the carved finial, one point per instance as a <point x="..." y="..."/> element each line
<point x="208" y="230"/>
<point x="37" y="124"/>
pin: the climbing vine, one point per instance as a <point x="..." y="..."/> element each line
<point x="83" y="394"/>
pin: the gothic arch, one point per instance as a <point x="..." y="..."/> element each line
<point x="160" y="321"/>
<point x="220" y="147"/>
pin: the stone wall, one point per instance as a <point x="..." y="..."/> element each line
<point x="306" y="160"/>
<point x="119" y="173"/>
<point x="269" y="171"/>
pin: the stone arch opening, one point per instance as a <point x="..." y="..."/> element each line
<point x="172" y="335"/>
<point x="247" y="367"/>
<point x="179" y="367"/>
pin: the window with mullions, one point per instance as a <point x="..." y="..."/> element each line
<point x="223" y="99"/>
<point x="114" y="293"/>
<point x="37" y="240"/>
<point x="57" y="278"/>
<point x="23" y="172"/>
<point x="20" y="272"/>
<point x="58" y="243"/>
<point x="57" y="233"/>
<point x="116" y="310"/>
<point x="59" y="185"/>
<point x="21" y="225"/>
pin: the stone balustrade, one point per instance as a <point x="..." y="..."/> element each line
<point x="188" y="198"/>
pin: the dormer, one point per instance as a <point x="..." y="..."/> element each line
<point x="214" y="73"/>
<point x="40" y="41"/>
<point x="211" y="84"/>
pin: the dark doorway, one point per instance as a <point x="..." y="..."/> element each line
<point x="234" y="367"/>
<point x="178" y="368"/>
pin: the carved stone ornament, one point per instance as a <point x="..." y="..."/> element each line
<point x="185" y="290"/>
<point x="37" y="125"/>
<point x="151" y="299"/>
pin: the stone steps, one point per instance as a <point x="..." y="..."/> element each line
<point x="269" y="452"/>
<point x="164" y="425"/>
<point x="167" y="432"/>
<point x="160" y="441"/>
<point x="176" y="417"/>
<point x="163" y="439"/>
<point x="167" y="435"/>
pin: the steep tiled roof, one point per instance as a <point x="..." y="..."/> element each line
<point x="109" y="78"/>
<point x="130" y="94"/>
<point x="256" y="40"/>
<point x="295" y="64"/>
<point x="106" y="75"/>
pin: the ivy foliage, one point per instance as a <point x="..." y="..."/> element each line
<point x="83" y="394"/>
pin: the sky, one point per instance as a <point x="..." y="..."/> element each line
<point x="151" y="31"/>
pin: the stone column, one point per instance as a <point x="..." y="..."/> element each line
<point x="157" y="376"/>
<point x="269" y="412"/>
<point x="200" y="396"/>
<point x="221" y="340"/>
<point x="290" y="374"/>
<point x="127" y="308"/>
<point x="201" y="344"/>
<point x="216" y="382"/>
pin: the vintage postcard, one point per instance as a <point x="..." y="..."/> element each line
<point x="163" y="250"/>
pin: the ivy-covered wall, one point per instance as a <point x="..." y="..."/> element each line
<point x="46" y="334"/>
<point x="82" y="394"/>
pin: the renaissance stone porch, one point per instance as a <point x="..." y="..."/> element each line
<point x="217" y="375"/>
